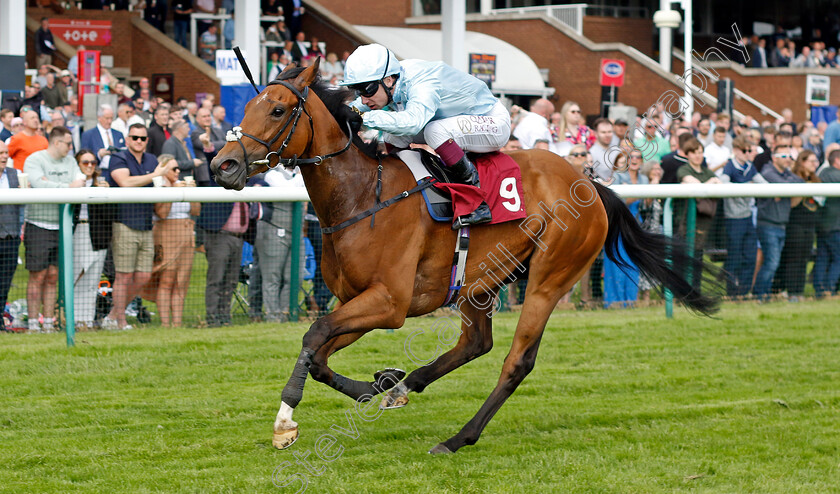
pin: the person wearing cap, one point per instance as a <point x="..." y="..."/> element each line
<point x="619" y="131"/>
<point x="65" y="84"/>
<point x="830" y="58"/>
<point x="15" y="127"/>
<point x="430" y="103"/>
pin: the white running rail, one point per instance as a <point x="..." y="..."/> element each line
<point x="100" y="195"/>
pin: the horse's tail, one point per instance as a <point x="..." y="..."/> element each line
<point x="649" y="251"/>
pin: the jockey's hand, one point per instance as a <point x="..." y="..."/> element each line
<point x="353" y="117"/>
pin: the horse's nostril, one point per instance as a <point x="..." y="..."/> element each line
<point x="224" y="166"/>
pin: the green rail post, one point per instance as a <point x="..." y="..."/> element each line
<point x="503" y="298"/>
<point x="294" y="279"/>
<point x="690" y="227"/>
<point x="65" y="271"/>
<point x="668" y="230"/>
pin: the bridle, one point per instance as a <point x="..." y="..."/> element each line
<point x="236" y="133"/>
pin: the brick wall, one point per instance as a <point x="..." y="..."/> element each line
<point x="637" y="33"/>
<point x="141" y="53"/>
<point x="337" y="41"/>
<point x="370" y="12"/>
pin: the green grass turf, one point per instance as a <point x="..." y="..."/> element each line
<point x="619" y="401"/>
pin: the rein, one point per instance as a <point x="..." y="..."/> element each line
<point x="236" y="133"/>
<point x="423" y="184"/>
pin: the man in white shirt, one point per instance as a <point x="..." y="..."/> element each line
<point x="704" y="134"/>
<point x="534" y="125"/>
<point x="102" y="138"/>
<point x="601" y="163"/>
<point x="716" y="153"/>
<point x="126" y="117"/>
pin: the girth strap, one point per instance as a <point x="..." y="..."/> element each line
<point x="459" y="265"/>
<point x="423" y="184"/>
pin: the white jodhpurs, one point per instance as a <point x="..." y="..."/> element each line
<point x="473" y="133"/>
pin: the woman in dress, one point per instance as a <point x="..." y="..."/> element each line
<point x="174" y="249"/>
<point x="621" y="285"/>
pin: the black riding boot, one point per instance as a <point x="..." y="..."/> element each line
<point x="464" y="172"/>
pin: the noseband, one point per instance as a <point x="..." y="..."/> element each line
<point x="236" y="134"/>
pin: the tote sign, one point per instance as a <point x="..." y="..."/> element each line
<point x="612" y="72"/>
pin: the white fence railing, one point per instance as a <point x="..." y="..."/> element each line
<point x="97" y="195"/>
<point x="687" y="191"/>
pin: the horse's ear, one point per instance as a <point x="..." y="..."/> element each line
<point x="308" y="76"/>
<point x="289" y="67"/>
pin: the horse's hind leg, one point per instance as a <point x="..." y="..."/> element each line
<point x="517" y="365"/>
<point x="320" y="371"/>
<point x="475" y="340"/>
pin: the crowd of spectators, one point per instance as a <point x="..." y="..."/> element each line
<point x="766" y="244"/>
<point x="779" y="50"/>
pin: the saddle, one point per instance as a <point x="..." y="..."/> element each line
<point x="501" y="185"/>
<point x="423" y="165"/>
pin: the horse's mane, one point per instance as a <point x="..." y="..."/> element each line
<point x="335" y="98"/>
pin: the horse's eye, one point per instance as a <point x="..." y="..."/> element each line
<point x="277" y="112"/>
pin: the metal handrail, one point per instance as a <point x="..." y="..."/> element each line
<point x="570" y="15"/>
<point x="761" y="106"/>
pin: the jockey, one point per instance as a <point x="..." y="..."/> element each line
<point x="433" y="104"/>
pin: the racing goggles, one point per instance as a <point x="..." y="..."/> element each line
<point x="366" y="89"/>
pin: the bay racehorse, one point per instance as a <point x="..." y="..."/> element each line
<point x="399" y="266"/>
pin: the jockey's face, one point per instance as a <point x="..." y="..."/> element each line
<point x="380" y="98"/>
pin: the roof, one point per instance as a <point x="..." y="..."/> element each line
<point x="516" y="73"/>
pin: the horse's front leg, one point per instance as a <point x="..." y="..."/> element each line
<point x="376" y="307"/>
<point x="321" y="372"/>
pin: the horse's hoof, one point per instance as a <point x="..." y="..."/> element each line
<point x="389" y="403"/>
<point x="285" y="438"/>
<point x="397" y="397"/>
<point x="391" y="373"/>
<point x="440" y="449"/>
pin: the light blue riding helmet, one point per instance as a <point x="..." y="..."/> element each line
<point x="369" y="63"/>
